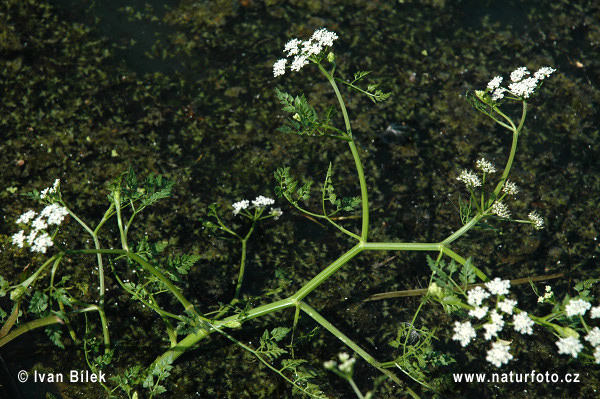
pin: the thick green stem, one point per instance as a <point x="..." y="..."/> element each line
<point x="32" y="325"/>
<point x="327" y="272"/>
<point x="192" y="339"/>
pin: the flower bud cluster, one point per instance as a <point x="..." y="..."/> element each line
<point x="346" y="365"/>
<point x="498" y="208"/>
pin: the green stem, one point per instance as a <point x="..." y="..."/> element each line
<point x="32" y="325"/>
<point x="347" y="341"/>
<point x="238" y="286"/>
<point x="359" y="168"/>
<point x="513" y="150"/>
<point x="466" y="227"/>
<point x="327" y="272"/>
<point x="146" y="265"/>
<point x="101" y="280"/>
<point x="355" y="388"/>
<point x="193" y="338"/>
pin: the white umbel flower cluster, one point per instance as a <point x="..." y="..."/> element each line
<point x="498" y="286"/>
<point x="38" y="238"/>
<point x="469" y="178"/>
<point x="510" y="188"/>
<point x="463" y="333"/>
<point x="485" y="166"/>
<point x="569" y="346"/>
<point x="498" y="354"/>
<point x="577" y="307"/>
<point x="522" y="84"/>
<point x="259" y="202"/>
<point x="536" y="220"/>
<point x="522" y="323"/>
<point x="303" y="50"/>
<point x="240" y="206"/>
<point x="500" y="209"/>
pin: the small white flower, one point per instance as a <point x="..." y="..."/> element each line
<point x="311" y="48"/>
<point x="593" y="337"/>
<point x="498" y="94"/>
<point x="276" y="212"/>
<point x="498" y="287"/>
<point x="536" y="220"/>
<point x="518" y="74"/>
<point x="507" y="305"/>
<point x="595" y="312"/>
<point x="479" y="312"/>
<point x="476" y="295"/>
<point x="492" y="329"/>
<point x="347" y="366"/>
<point x="50" y="190"/>
<point x="39" y="224"/>
<point x="485" y="166"/>
<point x="299" y="62"/>
<point x="41" y="243"/>
<point x="324" y="37"/>
<point x="261" y="201"/>
<point x="577" y="307"/>
<point x="543" y="72"/>
<point x="18" y="239"/>
<point x="510" y="188"/>
<point x="524" y="88"/>
<point x="54" y="213"/>
<point x="26" y="217"/>
<point x="597" y="354"/>
<point x="469" y="178"/>
<point x="31" y="237"/>
<point x="569" y="346"/>
<point x="330" y="364"/>
<point x="279" y="67"/>
<point x="498" y="354"/>
<point x="240" y="205"/>
<point x="463" y="332"/>
<point x="500" y="209"/>
<point x="523" y="323"/>
<point x="291" y="47"/>
<point x="343" y="356"/>
<point x="494" y="83"/>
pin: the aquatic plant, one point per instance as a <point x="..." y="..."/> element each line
<point x="150" y="278"/>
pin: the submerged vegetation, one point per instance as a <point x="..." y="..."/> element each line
<point x="196" y="104"/>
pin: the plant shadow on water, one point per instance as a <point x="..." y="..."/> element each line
<point x="203" y="112"/>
